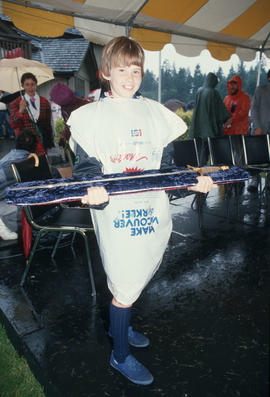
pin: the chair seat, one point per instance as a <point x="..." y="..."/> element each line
<point x="262" y="167"/>
<point x="69" y="217"/>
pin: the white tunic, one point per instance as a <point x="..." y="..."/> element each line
<point x="128" y="135"/>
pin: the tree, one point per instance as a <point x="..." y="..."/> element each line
<point x="198" y="80"/>
<point x="189" y="83"/>
<point x="241" y="71"/>
<point x="149" y="86"/>
<point x="263" y="79"/>
<point x="168" y="78"/>
<point x="222" y="83"/>
<point x="232" y="73"/>
<point x="183" y="85"/>
<point x="251" y="80"/>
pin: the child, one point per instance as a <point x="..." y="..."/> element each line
<point x="123" y="132"/>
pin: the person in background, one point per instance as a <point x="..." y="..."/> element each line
<point x="94" y="95"/>
<point x="190" y="106"/>
<point x="209" y="115"/>
<point x="26" y="143"/>
<point x="124" y="132"/>
<point x="56" y="115"/>
<point x="4" y="118"/>
<point x="237" y="103"/>
<point x="260" y="117"/>
<point x="63" y="96"/>
<point x="32" y="112"/>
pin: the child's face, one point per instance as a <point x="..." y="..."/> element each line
<point x="125" y="80"/>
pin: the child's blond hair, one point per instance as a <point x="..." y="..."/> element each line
<point x="120" y="51"/>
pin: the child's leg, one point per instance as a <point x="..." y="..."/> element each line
<point x="119" y="323"/>
<point x="121" y="359"/>
<point x="135" y="338"/>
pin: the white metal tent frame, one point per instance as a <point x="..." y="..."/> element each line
<point x="128" y="20"/>
<point x="182" y="30"/>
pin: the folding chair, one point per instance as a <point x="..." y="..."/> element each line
<point x="70" y="156"/>
<point x="222" y="152"/>
<point x="237" y="150"/>
<point x="203" y="151"/>
<point x="64" y="219"/>
<point x="257" y="154"/>
<point x="186" y="153"/>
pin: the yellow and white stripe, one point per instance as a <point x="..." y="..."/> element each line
<point x="223" y="27"/>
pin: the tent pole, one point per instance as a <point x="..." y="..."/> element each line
<point x="259" y="70"/>
<point x="159" y="77"/>
<point x="128" y="28"/>
<point x="132" y="18"/>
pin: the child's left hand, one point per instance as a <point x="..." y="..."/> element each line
<point x="96" y="195"/>
<point x="204" y="185"/>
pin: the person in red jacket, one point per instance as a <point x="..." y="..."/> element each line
<point x="33" y="112"/>
<point x="237" y="103"/>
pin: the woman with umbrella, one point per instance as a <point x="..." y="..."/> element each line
<point x="34" y="112"/>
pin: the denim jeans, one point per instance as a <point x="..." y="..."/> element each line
<point x="10" y="215"/>
<point x="5" y="119"/>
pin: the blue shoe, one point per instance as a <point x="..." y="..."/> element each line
<point x="136" y="339"/>
<point x="133" y="370"/>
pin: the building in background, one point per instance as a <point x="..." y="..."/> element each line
<point x="72" y="57"/>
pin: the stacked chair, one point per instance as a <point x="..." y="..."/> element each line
<point x="222" y="153"/>
<point x="53" y="217"/>
<point x="186" y="152"/>
<point x="257" y="155"/>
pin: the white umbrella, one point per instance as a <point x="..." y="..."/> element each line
<point x="11" y="71"/>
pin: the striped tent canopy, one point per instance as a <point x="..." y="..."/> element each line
<point x="224" y="27"/>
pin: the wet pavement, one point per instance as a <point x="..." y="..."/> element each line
<point x="206" y="311"/>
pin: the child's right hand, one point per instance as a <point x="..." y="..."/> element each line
<point x="22" y="106"/>
<point x="95" y="196"/>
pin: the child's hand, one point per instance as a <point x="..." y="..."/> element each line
<point x="95" y="196"/>
<point x="204" y="185"/>
<point x="22" y="106"/>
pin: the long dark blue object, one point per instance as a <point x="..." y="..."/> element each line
<point x="72" y="189"/>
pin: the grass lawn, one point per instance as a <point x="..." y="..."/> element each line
<point x="16" y="378"/>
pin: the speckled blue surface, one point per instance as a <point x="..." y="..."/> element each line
<point x="74" y="188"/>
<point x="206" y="311"/>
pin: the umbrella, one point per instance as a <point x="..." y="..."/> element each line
<point x="11" y="71"/>
<point x="174" y="104"/>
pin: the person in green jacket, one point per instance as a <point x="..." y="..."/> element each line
<point x="209" y="114"/>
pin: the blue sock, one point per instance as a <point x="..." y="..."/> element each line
<point x="119" y="323"/>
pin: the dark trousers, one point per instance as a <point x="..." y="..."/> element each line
<point x="4" y="123"/>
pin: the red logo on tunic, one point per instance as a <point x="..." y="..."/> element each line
<point x="118" y="158"/>
<point x="134" y="169"/>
